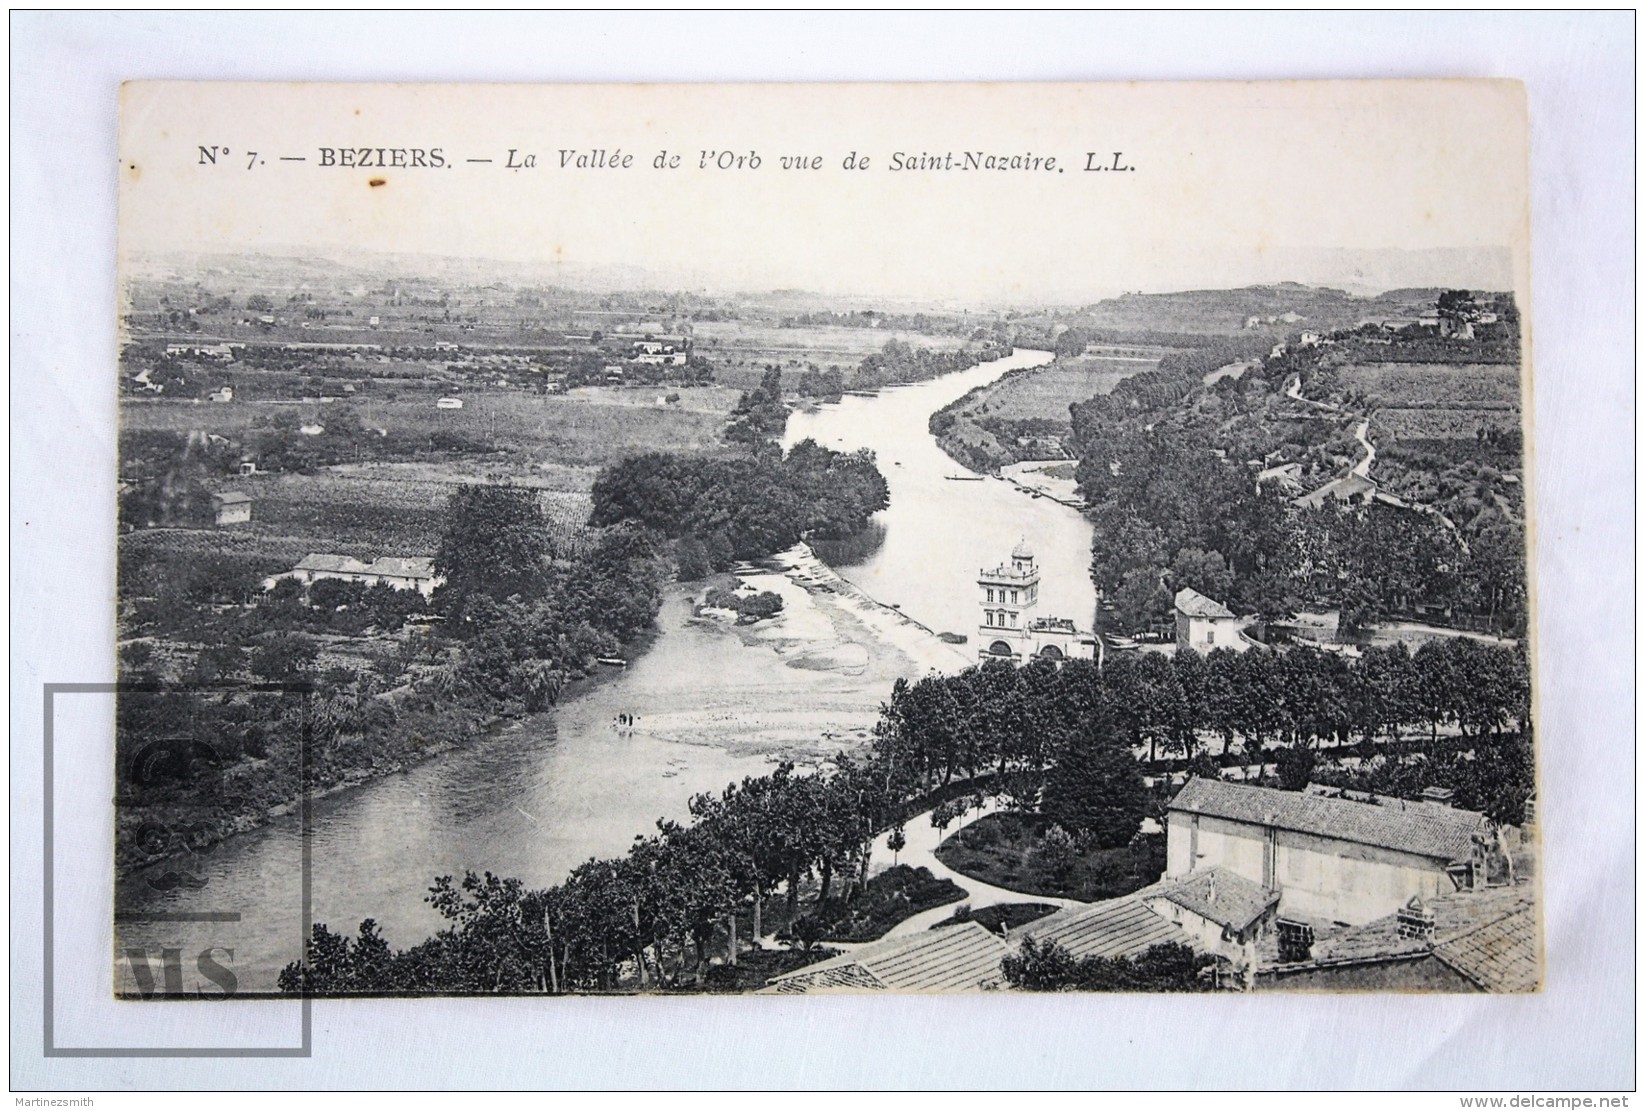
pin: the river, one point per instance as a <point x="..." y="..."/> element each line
<point x="714" y="705"/>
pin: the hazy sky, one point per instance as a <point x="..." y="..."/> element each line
<point x="1364" y="184"/>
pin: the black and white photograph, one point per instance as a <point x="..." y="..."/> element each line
<point x="574" y="563"/>
<point x="779" y="599"/>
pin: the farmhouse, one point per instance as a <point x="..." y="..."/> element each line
<point x="449" y="403"/>
<point x="224" y="393"/>
<point x="661" y="350"/>
<point x="232" y="508"/>
<point x="1204" y="624"/>
<point x="316" y="566"/>
<point x="413" y="573"/>
<point x="401" y="573"/>
<point x="1330" y="858"/>
<point x="1353" y="489"/>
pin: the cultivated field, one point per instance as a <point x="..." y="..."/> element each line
<point x="1437" y="401"/>
<point x="740" y="351"/>
<point x="587" y="427"/>
<point x="1412" y="385"/>
<point x="1045" y="393"/>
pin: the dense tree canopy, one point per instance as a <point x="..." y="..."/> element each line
<point x="495" y="542"/>
<point x="723" y="510"/>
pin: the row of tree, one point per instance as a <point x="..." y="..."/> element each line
<point x="1062" y="741"/>
<point x="648" y="918"/>
<point x="1453" y="702"/>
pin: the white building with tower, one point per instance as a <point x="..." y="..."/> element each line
<point x="1011" y="629"/>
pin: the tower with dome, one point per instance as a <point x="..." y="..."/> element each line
<point x="1011" y="627"/>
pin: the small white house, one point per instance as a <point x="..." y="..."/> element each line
<point x="449" y="403"/>
<point x="1204" y="624"/>
<point x="232" y="508"/>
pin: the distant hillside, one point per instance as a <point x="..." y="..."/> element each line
<point x="1282" y="307"/>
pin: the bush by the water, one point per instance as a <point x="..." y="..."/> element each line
<point x="748" y="607"/>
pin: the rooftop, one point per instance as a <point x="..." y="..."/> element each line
<point x="1192" y="603"/>
<point x="1420" y="828"/>
<point x="957" y="958"/>
<point x="1115" y="928"/>
<point x="1342" y="489"/>
<point x="233" y="497"/>
<point x="413" y="567"/>
<point x="319" y="561"/>
<point x="1489" y="938"/>
<point x="1221" y="896"/>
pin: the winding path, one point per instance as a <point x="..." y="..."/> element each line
<point x="921" y="852"/>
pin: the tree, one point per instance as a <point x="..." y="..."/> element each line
<point x="691" y="559"/>
<point x="1047" y="966"/>
<point x="284" y="657"/>
<point x="1057" y="852"/>
<point x="1206" y="572"/>
<point x="495" y="541"/>
<point x="1296" y="766"/>
<point x="760" y="416"/>
<point x="1070" y="342"/>
<point x="1095" y="789"/>
<point x="896" y="842"/>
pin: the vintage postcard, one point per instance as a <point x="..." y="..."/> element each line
<point x="789" y="539"/>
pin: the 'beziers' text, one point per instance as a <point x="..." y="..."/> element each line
<point x="383" y="158"/>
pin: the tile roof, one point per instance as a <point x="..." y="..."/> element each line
<point x="1114" y="928"/>
<point x="319" y="561"/>
<point x="1420" y="828"/>
<point x="233" y="497"/>
<point x="1222" y="896"/>
<point x="1500" y="955"/>
<point x="1491" y="938"/>
<point x="1194" y="604"/>
<point x="412" y="567"/>
<point x="957" y="958"/>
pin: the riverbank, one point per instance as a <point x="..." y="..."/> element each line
<point x="806" y="684"/>
<point x="208" y="832"/>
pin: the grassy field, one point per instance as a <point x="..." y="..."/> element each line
<point x="1413" y="385"/>
<point x="555" y="443"/>
<point x="740" y="350"/>
<point x="589" y="427"/>
<point x="1437" y="401"/>
<point x="1047" y="392"/>
<point x="1443" y="424"/>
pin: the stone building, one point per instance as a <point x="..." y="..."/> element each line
<point x="1010" y="629"/>
<point x="1330" y="858"/>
